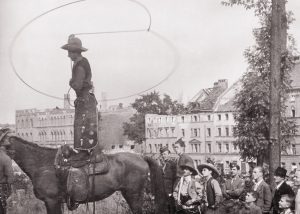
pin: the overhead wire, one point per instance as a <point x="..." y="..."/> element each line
<point x="148" y="29"/>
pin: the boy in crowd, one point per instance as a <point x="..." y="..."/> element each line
<point x="213" y="192"/>
<point x="185" y="192"/>
<point x="285" y="204"/>
<point x="250" y="207"/>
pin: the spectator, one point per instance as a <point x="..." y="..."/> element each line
<point x="233" y="188"/>
<point x="213" y="193"/>
<point x="185" y="192"/>
<point x="250" y="207"/>
<point x="179" y="148"/>
<point x="285" y="204"/>
<point x="264" y="200"/>
<point x="281" y="188"/>
<point x="297" y="191"/>
<point x="169" y="175"/>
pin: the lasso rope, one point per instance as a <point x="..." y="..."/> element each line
<point x="148" y="29"/>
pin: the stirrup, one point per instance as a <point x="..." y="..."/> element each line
<point x="72" y="205"/>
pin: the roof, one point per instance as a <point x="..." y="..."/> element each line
<point x="209" y="101"/>
<point x="225" y="100"/>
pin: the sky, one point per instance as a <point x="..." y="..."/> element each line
<point x="191" y="44"/>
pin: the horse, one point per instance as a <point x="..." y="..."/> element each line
<point x="128" y="173"/>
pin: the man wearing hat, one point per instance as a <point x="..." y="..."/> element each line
<point x="212" y="187"/>
<point x="282" y="188"/>
<point x="185" y="191"/>
<point x="169" y="175"/>
<point x="86" y="116"/>
<point x="179" y="148"/>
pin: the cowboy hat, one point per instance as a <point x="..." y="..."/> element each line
<point x="190" y="166"/>
<point x="209" y="166"/>
<point x="74" y="44"/>
<point x="163" y="149"/>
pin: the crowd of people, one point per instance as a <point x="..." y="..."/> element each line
<point x="204" y="189"/>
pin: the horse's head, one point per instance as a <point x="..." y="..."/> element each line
<point x="5" y="144"/>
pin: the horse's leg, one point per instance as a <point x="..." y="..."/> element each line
<point x="53" y="206"/>
<point x="134" y="200"/>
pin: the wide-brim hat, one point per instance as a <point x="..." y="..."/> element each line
<point x="163" y="149"/>
<point x="74" y="44"/>
<point x="190" y="166"/>
<point x="209" y="166"/>
<point x="281" y="172"/>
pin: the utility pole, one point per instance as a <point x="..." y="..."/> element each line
<point x="278" y="47"/>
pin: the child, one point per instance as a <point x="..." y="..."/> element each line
<point x="285" y="204"/>
<point x="185" y="192"/>
<point x="250" y="207"/>
<point x="213" y="192"/>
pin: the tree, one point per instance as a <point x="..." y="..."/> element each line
<point x="149" y="104"/>
<point x="252" y="102"/>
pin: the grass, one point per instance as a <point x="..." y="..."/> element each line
<point x="23" y="200"/>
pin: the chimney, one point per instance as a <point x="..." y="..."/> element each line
<point x="223" y="83"/>
<point x="66" y="101"/>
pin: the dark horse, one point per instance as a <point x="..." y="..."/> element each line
<point x="128" y="174"/>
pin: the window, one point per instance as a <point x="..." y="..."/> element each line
<point x="150" y="148"/>
<point x="226" y="116"/>
<point x="234" y="146"/>
<point x="113" y="147"/>
<point x="283" y="164"/>
<point x="196" y="147"/>
<point x="219" y="117"/>
<point x="182" y="132"/>
<point x="219" y="132"/>
<point x="227" y="131"/>
<point x="209" y="148"/>
<point x="293" y="112"/>
<point x="132" y="147"/>
<point x="182" y="119"/>
<point x="227" y="147"/>
<point x="208" y="117"/>
<point x="195" y="118"/>
<point x="208" y="132"/>
<point x="173" y="130"/>
<point x="294" y="152"/>
<point x="220" y="147"/>
<point x="195" y="133"/>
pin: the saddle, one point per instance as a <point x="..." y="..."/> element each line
<point x="80" y="169"/>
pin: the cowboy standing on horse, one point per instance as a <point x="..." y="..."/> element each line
<point x="6" y="178"/>
<point x="86" y="116"/>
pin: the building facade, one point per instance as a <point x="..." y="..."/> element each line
<point x="208" y="130"/>
<point x="49" y="127"/>
<point x="53" y="127"/>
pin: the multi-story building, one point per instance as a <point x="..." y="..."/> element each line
<point x="49" y="127"/>
<point x="208" y="130"/>
<point x="53" y="127"/>
<point x="292" y="155"/>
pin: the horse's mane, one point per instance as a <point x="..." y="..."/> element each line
<point x="33" y="145"/>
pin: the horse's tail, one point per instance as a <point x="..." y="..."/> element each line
<point x="157" y="185"/>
